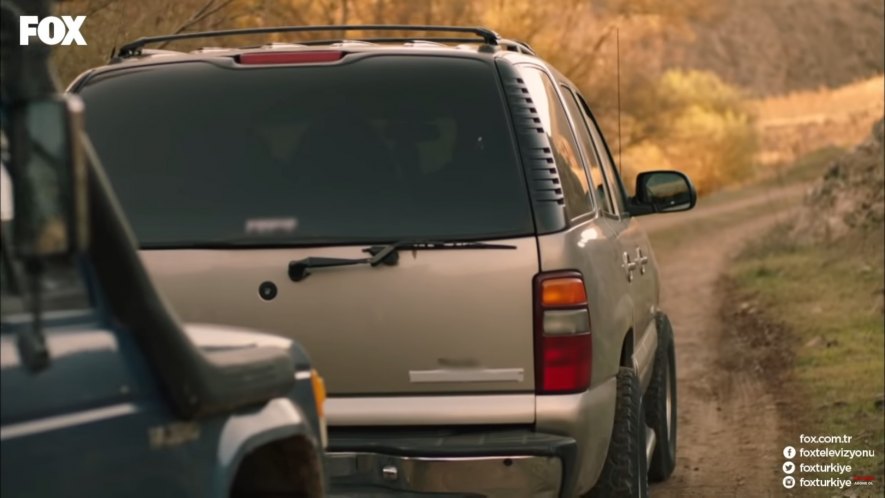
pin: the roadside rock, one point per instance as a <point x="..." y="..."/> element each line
<point x="850" y="196"/>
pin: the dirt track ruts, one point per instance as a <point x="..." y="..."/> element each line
<point x="730" y="434"/>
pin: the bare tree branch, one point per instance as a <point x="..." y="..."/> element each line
<point x="296" y="14"/>
<point x="344" y="11"/>
<point x="590" y="57"/>
<point x="101" y="6"/>
<point x="207" y="10"/>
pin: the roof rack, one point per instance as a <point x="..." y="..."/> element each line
<point x="134" y="48"/>
<point x="429" y="39"/>
<point x="517" y="46"/>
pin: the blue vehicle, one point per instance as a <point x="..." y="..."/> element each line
<point x="104" y="392"/>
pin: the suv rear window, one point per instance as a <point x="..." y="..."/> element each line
<point x="379" y="148"/>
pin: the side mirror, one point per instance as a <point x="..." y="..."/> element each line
<point x="662" y="192"/>
<point x="48" y="178"/>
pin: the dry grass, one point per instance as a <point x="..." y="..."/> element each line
<point x="825" y="103"/>
<point x="828" y="299"/>
<point x="793" y="125"/>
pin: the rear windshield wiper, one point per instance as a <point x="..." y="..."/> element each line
<point x="384" y="254"/>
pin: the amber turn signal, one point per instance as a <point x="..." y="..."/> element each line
<point x="566" y="291"/>
<point x="319" y="391"/>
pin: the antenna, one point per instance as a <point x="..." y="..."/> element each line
<point x="618" y="58"/>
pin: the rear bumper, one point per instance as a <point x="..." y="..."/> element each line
<point x="588" y="417"/>
<point x="451" y="463"/>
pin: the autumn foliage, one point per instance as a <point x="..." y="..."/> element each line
<point x="690" y="120"/>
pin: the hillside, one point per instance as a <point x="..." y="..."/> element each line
<point x="775" y="47"/>
<point x="794" y="125"/>
<point x="849" y="199"/>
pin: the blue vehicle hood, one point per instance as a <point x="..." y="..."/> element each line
<point x="216" y="337"/>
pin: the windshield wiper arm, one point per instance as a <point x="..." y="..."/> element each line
<point x="300" y="269"/>
<point x="383" y="254"/>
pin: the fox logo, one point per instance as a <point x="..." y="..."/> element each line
<point x="52" y="30"/>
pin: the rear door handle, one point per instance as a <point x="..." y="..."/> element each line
<point x="628" y="266"/>
<point x="642" y="259"/>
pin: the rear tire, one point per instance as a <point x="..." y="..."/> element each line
<point x="660" y="404"/>
<point x="625" y="472"/>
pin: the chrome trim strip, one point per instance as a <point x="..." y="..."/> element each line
<point x="644" y="354"/>
<point x="467" y="375"/>
<point x="22" y="429"/>
<point x="431" y="410"/>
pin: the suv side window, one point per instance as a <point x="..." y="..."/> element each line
<point x="619" y="195"/>
<point x="591" y="154"/>
<point x="575" y="184"/>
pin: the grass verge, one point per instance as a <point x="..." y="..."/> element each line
<point x="825" y="303"/>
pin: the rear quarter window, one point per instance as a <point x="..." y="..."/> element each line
<point x="575" y="184"/>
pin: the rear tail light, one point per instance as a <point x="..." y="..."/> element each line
<point x="290" y="57"/>
<point x="563" y="346"/>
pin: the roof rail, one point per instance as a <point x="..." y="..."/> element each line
<point x="429" y="39"/>
<point x="517" y="46"/>
<point x="135" y="47"/>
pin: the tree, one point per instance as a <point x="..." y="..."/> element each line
<point x="664" y="118"/>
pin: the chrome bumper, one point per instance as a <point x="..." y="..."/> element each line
<point x="454" y="461"/>
<point x="355" y="474"/>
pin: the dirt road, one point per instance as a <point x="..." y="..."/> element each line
<point x="730" y="432"/>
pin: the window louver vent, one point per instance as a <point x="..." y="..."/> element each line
<point x="534" y="145"/>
